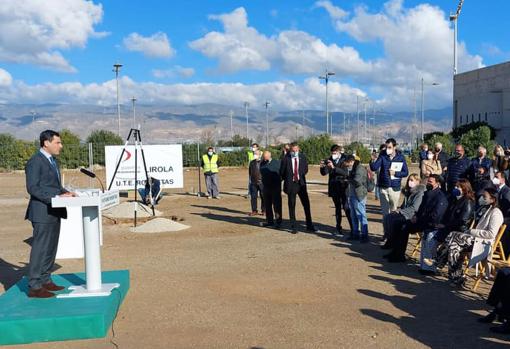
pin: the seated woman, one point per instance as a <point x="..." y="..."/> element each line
<point x="413" y="194"/>
<point x="499" y="298"/>
<point x="458" y="217"/>
<point x="430" y="166"/>
<point x="488" y="220"/>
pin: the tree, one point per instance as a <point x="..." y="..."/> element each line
<point x="474" y="138"/>
<point x="100" y="138"/>
<point x="458" y="132"/>
<point x="360" y="150"/>
<point x="73" y="153"/>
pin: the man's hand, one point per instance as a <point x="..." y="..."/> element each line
<point x="69" y="194"/>
<point x="330" y="164"/>
<point x="374" y="156"/>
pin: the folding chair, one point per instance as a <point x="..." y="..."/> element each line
<point x="491" y="256"/>
<point x="417" y="248"/>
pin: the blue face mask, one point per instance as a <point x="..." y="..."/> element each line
<point x="294" y="154"/>
<point x="456" y="192"/>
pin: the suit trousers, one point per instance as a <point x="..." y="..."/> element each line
<point x="389" y="199"/>
<point x="297" y="189"/>
<point x="273" y="201"/>
<point x="340" y="201"/>
<point x="255" y="189"/>
<point x="43" y="253"/>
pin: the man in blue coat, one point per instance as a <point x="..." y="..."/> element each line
<point x="457" y="167"/>
<point x="389" y="180"/>
<point x="43" y="181"/>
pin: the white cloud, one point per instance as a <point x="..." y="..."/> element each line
<point x="284" y="95"/>
<point x="5" y="78"/>
<point x="176" y="71"/>
<point x="155" y="46"/>
<point x="34" y="31"/>
<point x="334" y="12"/>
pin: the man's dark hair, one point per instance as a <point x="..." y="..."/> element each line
<point x="336" y="147"/>
<point x="47" y="136"/>
<point x="392" y="141"/>
<point x="349" y="158"/>
<point x="255" y="144"/>
<point x="438" y="178"/>
<point x="382" y="147"/>
<point x="210" y="148"/>
<point x="294" y="144"/>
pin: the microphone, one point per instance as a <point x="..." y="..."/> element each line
<point x="92" y="175"/>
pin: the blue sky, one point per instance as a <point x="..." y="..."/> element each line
<point x="482" y="28"/>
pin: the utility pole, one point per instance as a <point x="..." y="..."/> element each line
<point x="267" y="122"/>
<point x="453" y="18"/>
<point x="326" y="78"/>
<point x="303" y="131"/>
<point x="231" y="126"/>
<point x="365" y="112"/>
<point x="116" y="69"/>
<point x="133" y="100"/>
<point x="246" y="105"/>
<point x="357" y="118"/>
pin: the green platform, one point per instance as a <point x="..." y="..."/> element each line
<point x="29" y="320"/>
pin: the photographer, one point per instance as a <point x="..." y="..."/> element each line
<point x="337" y="184"/>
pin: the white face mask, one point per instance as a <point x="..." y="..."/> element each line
<point x="254" y="148"/>
<point x="256" y="157"/>
<point x="389" y="152"/>
<point x="412" y="184"/>
<point x="430" y="156"/>
<point x="210" y="153"/>
<point x="294" y="154"/>
<point x="335" y="156"/>
<point x="496" y="181"/>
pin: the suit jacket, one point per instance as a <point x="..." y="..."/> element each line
<point x="504" y="203"/>
<point x="270" y="172"/>
<point x="286" y="171"/>
<point x="43" y="183"/>
<point x="488" y="226"/>
<point x="432" y="209"/>
<point x="337" y="181"/>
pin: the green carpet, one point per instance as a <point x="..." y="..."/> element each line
<point x="29" y="320"/>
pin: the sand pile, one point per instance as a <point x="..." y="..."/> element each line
<point x="126" y="209"/>
<point x="159" y="225"/>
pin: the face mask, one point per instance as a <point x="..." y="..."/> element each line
<point x="210" y="153"/>
<point x="437" y="150"/>
<point x="458" y="154"/>
<point x="254" y="149"/>
<point x="389" y="152"/>
<point x="430" y="187"/>
<point x="496" y="182"/>
<point x="430" y="156"/>
<point x="500" y="153"/>
<point x="256" y="157"/>
<point x="335" y="156"/>
<point x="457" y="192"/>
<point x="349" y="168"/>
<point x="294" y="154"/>
<point x="480" y="155"/>
<point x="412" y="184"/>
<point x="483" y="201"/>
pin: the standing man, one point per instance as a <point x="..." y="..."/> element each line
<point x="441" y="156"/>
<point x="43" y="182"/>
<point x="424" y="149"/>
<point x="272" y="189"/>
<point x="337" y="185"/>
<point x="389" y="179"/>
<point x="256" y="185"/>
<point x="254" y="147"/>
<point x="479" y="168"/>
<point x="210" y="166"/>
<point x="293" y="170"/>
<point x="457" y="167"/>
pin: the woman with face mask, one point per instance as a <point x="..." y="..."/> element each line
<point x="488" y="219"/>
<point x="458" y="217"/>
<point x="413" y="195"/>
<point x="431" y="165"/>
<point x="499" y="160"/>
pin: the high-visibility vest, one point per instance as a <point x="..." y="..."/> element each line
<point x="210" y="165"/>
<point x="250" y="155"/>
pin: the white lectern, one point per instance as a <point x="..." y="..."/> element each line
<point x="90" y="206"/>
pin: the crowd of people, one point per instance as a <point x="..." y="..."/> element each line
<point x="452" y="202"/>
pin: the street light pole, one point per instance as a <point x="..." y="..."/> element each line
<point x="231" y="125"/>
<point x="423" y="106"/>
<point x="357" y="118"/>
<point x="267" y="122"/>
<point x="116" y="69"/>
<point x="246" y="105"/>
<point x="325" y="77"/>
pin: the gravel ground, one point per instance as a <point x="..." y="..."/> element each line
<point x="227" y="282"/>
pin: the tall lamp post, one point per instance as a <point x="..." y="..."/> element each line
<point x="246" y="105"/>
<point x="116" y="69"/>
<point x="133" y="100"/>
<point x="267" y="122"/>
<point x="325" y="77"/>
<point x="453" y="18"/>
<point x="423" y="106"/>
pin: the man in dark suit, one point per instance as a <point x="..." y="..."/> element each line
<point x="293" y="170"/>
<point x="337" y="184"/>
<point x="272" y="190"/>
<point x="43" y="180"/>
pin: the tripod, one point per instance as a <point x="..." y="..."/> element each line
<point x="135" y="133"/>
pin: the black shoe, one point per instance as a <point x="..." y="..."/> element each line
<point x="312" y="229"/>
<point x="268" y="225"/>
<point x="388" y="255"/>
<point x="427" y="272"/>
<point x="293" y="230"/>
<point x="501" y="329"/>
<point x="364" y="239"/>
<point x="277" y="226"/>
<point x="488" y="319"/>
<point x="352" y="237"/>
<point x="386" y="246"/>
<point x="395" y="259"/>
<point x="339" y="231"/>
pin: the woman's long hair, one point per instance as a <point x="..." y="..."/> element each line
<point x="466" y="188"/>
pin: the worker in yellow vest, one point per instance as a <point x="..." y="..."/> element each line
<point x="254" y="147"/>
<point x="210" y="166"/>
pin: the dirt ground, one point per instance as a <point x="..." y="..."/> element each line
<point x="227" y="282"/>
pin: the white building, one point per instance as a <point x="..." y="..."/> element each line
<point x="484" y="95"/>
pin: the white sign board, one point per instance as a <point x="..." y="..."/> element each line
<point x="164" y="162"/>
<point x="109" y="199"/>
